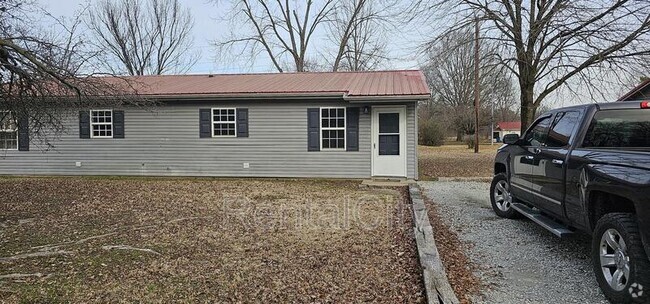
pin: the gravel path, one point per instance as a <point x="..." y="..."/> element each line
<point x="520" y="261"/>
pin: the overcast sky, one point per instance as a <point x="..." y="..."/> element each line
<point x="208" y="27"/>
<point x="402" y="45"/>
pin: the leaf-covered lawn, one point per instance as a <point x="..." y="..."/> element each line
<point x="207" y="240"/>
<point x="456" y="161"/>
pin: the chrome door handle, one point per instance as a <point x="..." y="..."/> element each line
<point x="529" y="157"/>
<point x="537" y="150"/>
<point x="558" y="162"/>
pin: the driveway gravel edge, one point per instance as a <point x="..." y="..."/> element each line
<point x="436" y="284"/>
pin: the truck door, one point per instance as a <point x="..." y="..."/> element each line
<point x="549" y="183"/>
<point x="523" y="164"/>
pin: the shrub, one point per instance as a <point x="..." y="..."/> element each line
<point x="469" y="140"/>
<point x="430" y="133"/>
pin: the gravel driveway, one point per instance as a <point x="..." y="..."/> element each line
<point x="520" y="261"/>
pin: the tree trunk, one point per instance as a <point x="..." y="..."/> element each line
<point x="459" y="136"/>
<point x="528" y="107"/>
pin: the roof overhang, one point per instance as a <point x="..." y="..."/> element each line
<point x="285" y="96"/>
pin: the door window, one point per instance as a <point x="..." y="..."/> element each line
<point x="563" y="126"/>
<point x="389" y="134"/>
<point x="536" y="136"/>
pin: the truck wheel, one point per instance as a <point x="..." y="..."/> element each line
<point x="620" y="262"/>
<point x="501" y="198"/>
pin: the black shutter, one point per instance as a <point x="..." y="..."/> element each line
<point x="313" y="129"/>
<point x="352" y="129"/>
<point x="23" y="133"/>
<point x="242" y="122"/>
<point x="84" y="124"/>
<point x="118" y="124"/>
<point x="205" y="121"/>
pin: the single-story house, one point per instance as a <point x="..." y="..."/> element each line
<point x="640" y="92"/>
<point x="506" y="127"/>
<point x="333" y="124"/>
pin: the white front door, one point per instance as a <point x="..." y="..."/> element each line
<point x="389" y="141"/>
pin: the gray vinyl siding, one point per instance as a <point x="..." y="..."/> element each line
<point x="164" y="141"/>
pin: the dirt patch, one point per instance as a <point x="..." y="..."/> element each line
<point x="460" y="269"/>
<point x="197" y="240"/>
<point x="455" y="161"/>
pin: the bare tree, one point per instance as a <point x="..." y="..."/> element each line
<point x="277" y="28"/>
<point x="40" y="72"/>
<point x="450" y="73"/>
<point x="555" y="44"/>
<point x="144" y="36"/>
<point x="357" y="27"/>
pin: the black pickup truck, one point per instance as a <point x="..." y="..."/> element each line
<point x="586" y="168"/>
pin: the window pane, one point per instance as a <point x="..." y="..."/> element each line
<point x="325" y="123"/>
<point x="341" y="112"/>
<point x="388" y="122"/>
<point x="341" y="143"/>
<point x="388" y="144"/>
<point x="619" y="129"/>
<point x="562" y="129"/>
<point x="537" y="135"/>
<point x="332" y="112"/>
<point x="7" y="121"/>
<point x="324" y="113"/>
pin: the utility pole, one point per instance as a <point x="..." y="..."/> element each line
<point x="476" y="85"/>
<point x="492" y="124"/>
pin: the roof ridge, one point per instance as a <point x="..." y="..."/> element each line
<point x="269" y="73"/>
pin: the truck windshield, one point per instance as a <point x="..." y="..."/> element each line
<point x="628" y="128"/>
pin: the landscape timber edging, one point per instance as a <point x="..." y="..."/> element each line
<point x="436" y="285"/>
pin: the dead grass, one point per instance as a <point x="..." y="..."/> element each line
<point x="204" y="240"/>
<point x="455" y="161"/>
<point x="460" y="269"/>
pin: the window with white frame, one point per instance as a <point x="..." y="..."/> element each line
<point x="8" y="131"/>
<point x="332" y="128"/>
<point x="223" y="122"/>
<point x="101" y="123"/>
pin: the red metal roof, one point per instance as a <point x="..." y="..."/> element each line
<point x="509" y="125"/>
<point x="410" y="83"/>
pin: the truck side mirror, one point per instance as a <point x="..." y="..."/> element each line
<point x="510" y="139"/>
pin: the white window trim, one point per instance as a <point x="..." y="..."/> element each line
<point x="10" y="130"/>
<point x="344" y="128"/>
<point x="212" y="122"/>
<point x="101" y="123"/>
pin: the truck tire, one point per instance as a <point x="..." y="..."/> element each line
<point x="501" y="198"/>
<point x="620" y="263"/>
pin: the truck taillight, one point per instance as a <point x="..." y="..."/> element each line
<point x="645" y="105"/>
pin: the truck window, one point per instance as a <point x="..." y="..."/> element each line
<point x="562" y="128"/>
<point x="536" y="136"/>
<point x="629" y="128"/>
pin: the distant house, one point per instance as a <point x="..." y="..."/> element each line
<point x="506" y="127"/>
<point x="641" y="91"/>
<point x="340" y="125"/>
